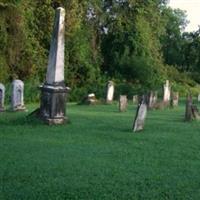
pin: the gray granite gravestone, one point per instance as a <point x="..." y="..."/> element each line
<point x="123" y="101"/>
<point x="17" y="97"/>
<point x="2" y="97"/>
<point x="54" y="91"/>
<point x="141" y="114"/>
<point x="110" y="92"/>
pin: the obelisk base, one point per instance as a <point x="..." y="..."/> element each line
<point x="53" y="104"/>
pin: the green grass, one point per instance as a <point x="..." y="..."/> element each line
<point x="97" y="156"/>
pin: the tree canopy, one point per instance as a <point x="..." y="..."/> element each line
<point x="140" y="43"/>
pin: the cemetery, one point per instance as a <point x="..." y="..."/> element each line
<point x="127" y="130"/>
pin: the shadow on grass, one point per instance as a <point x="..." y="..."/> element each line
<point x="19" y="119"/>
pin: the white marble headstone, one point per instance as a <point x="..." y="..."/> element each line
<point x="2" y="96"/>
<point x="17" y="100"/>
<point x="198" y="98"/>
<point x="166" y="95"/>
<point x="110" y="92"/>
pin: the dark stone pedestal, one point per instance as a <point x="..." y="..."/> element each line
<point x="53" y="104"/>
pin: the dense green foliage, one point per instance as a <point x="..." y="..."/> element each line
<point x="134" y="42"/>
<point x="98" y="157"/>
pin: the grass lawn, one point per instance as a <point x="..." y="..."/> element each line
<point x="97" y="156"/>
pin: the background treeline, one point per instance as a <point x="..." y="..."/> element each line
<point x="137" y="43"/>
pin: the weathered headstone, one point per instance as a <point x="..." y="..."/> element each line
<point x="174" y="99"/>
<point x="166" y="94"/>
<point x="198" y="98"/>
<point x="141" y="114"/>
<point x="17" y="97"/>
<point x="152" y="99"/>
<point x="2" y="97"/>
<point x="110" y="92"/>
<point x="191" y="111"/>
<point x="188" y="108"/>
<point x="155" y="97"/>
<point x="54" y="91"/>
<point x="91" y="99"/>
<point x="135" y="99"/>
<point x="123" y="101"/>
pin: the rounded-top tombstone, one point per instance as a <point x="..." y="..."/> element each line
<point x="167" y="92"/>
<point x="2" y="97"/>
<point x="110" y="92"/>
<point x="17" y="98"/>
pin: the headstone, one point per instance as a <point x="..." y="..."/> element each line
<point x="110" y="92"/>
<point x="141" y="114"/>
<point x="123" y="101"/>
<point x="166" y="95"/>
<point x="195" y="112"/>
<point x="135" y="99"/>
<point x="2" y="97"/>
<point x="17" y="98"/>
<point x="174" y="99"/>
<point x="91" y="98"/>
<point x="155" y="97"/>
<point x="191" y="111"/>
<point x="54" y="91"/>
<point x="198" y="98"/>
<point x="152" y="99"/>
<point x="188" y="108"/>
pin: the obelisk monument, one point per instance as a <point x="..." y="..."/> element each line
<point x="54" y="91"/>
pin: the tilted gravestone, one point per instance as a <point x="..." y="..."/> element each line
<point x="110" y="92"/>
<point x="17" y="97"/>
<point x="191" y="110"/>
<point x="2" y="97"/>
<point x="123" y="102"/>
<point x="174" y="99"/>
<point x="54" y="91"/>
<point x="166" y="93"/>
<point x="141" y="114"/>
